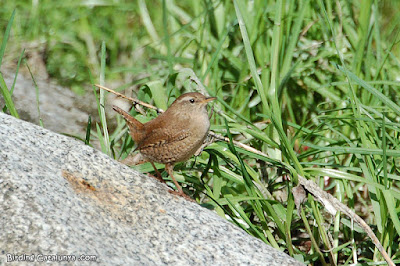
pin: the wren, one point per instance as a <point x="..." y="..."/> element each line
<point x="174" y="136"/>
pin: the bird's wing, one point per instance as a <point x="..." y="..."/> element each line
<point x="159" y="137"/>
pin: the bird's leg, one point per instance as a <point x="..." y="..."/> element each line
<point x="170" y="169"/>
<point x="158" y="175"/>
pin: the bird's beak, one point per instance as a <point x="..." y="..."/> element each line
<point x="209" y="99"/>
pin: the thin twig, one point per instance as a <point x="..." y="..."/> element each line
<point x="135" y="101"/>
<point x="237" y="143"/>
<point x="330" y="203"/>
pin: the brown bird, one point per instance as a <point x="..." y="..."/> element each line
<point x="175" y="135"/>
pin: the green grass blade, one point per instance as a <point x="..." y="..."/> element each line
<point x="7" y="97"/>
<point x="384" y="99"/>
<point x="6" y="36"/>
<point x="242" y="214"/>
<point x="384" y="149"/>
<point x="354" y="150"/>
<point x="101" y="138"/>
<point x="250" y="58"/>
<point x="147" y="21"/>
<point x="167" y="36"/>
<point x="158" y="93"/>
<point x="103" y="119"/>
<point x="392" y="208"/>
<point x="17" y="70"/>
<point x="37" y="96"/>
<point x="88" y="130"/>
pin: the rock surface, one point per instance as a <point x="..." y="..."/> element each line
<point x="60" y="109"/>
<point x="60" y="197"/>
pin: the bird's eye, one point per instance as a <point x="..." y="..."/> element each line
<point x="191" y="100"/>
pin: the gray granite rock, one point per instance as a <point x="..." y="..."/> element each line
<point x="60" y="109"/>
<point x="60" y="197"/>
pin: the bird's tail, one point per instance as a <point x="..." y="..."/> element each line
<point x="136" y="128"/>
